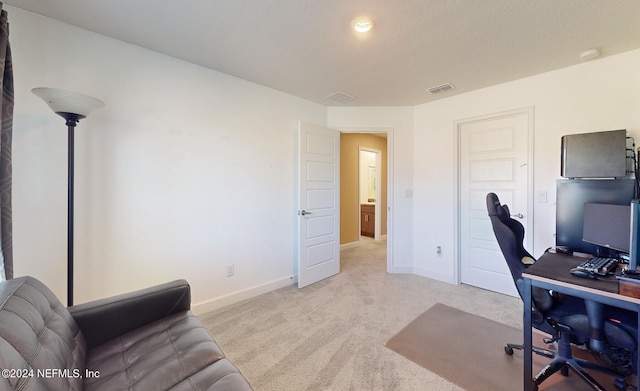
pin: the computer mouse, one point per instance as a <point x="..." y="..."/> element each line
<point x="583" y="273"/>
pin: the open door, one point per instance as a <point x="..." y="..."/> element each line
<point x="318" y="203"/>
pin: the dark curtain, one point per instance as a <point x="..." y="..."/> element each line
<point x="6" y="128"/>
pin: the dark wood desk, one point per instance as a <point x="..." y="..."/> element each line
<point x="552" y="271"/>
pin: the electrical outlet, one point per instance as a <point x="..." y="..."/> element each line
<point x="439" y="250"/>
<point x="231" y="270"/>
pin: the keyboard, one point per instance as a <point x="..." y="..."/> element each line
<point x="599" y="265"/>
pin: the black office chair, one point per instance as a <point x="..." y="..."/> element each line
<point x="567" y="319"/>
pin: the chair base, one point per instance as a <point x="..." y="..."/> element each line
<point x="510" y="347"/>
<point x="563" y="361"/>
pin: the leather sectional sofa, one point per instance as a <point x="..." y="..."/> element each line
<point x="144" y="340"/>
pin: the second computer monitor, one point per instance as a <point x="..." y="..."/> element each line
<point x="607" y="226"/>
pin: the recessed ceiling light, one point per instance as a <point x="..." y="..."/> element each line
<point x="362" y="24"/>
<point x="590" y="54"/>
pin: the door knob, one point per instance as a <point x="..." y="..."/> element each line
<point x="518" y="215"/>
<point x="304" y="212"/>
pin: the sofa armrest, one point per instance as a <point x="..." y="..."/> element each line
<point x="104" y="319"/>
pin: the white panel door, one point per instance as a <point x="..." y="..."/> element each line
<point x="319" y="204"/>
<point x="494" y="157"/>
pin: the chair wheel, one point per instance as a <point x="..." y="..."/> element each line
<point x="620" y="384"/>
<point x="508" y="350"/>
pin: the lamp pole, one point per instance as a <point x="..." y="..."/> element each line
<point x="73" y="107"/>
<point x="72" y="121"/>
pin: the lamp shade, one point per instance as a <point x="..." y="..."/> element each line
<point x="62" y="101"/>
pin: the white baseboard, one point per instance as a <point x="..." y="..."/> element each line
<point x="236" y="297"/>
<point x="433" y="275"/>
<point x="401" y="270"/>
<point x="347" y="246"/>
<point x="407" y="269"/>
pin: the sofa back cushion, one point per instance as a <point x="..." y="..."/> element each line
<point x="40" y="344"/>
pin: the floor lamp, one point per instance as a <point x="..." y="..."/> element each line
<point x="72" y="107"/>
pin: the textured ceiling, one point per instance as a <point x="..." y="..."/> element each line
<point x="306" y="47"/>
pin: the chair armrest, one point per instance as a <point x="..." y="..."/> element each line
<point x="104" y="319"/>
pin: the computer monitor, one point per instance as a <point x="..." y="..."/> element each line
<point x="572" y="194"/>
<point x="607" y="226"/>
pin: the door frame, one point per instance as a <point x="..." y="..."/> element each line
<point x="457" y="125"/>
<point x="390" y="211"/>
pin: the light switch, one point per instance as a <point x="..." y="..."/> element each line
<point x="542" y="196"/>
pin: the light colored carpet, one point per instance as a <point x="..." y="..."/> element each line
<point x="331" y="335"/>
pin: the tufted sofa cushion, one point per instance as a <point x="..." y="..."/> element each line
<point x="219" y="376"/>
<point x="157" y="356"/>
<point x="37" y="334"/>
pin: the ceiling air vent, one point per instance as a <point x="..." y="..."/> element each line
<point x="440" y="88"/>
<point x="341" y="97"/>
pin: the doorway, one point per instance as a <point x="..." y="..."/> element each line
<point x="352" y="193"/>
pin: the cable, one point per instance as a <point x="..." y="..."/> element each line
<point x="636" y="167"/>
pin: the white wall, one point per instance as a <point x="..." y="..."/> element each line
<point x="399" y="120"/>
<point x="187" y="170"/>
<point x="599" y="95"/>
<point x="183" y="172"/>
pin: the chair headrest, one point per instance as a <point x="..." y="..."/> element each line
<point x="492" y="203"/>
<point x="495" y="209"/>
<point x="503" y="212"/>
<point x="504" y="215"/>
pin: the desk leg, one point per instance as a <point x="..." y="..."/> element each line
<point x="527" y="326"/>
